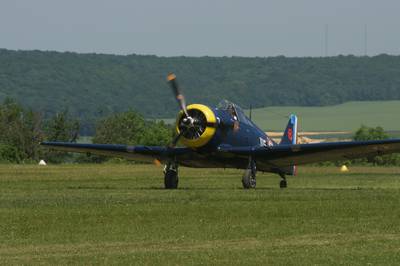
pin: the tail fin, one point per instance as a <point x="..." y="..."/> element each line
<point x="290" y="135"/>
<point x="290" y="138"/>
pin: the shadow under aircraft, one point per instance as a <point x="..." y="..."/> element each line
<point x="224" y="137"/>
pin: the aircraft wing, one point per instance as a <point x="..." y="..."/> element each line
<point x="138" y="153"/>
<point x="287" y="155"/>
<point x="271" y="159"/>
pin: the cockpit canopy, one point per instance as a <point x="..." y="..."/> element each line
<point x="225" y="105"/>
<point x="233" y="110"/>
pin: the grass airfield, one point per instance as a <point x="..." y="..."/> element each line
<point x="120" y="214"/>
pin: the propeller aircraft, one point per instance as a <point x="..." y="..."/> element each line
<point x="224" y="137"/>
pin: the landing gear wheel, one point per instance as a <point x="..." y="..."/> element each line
<point x="171" y="175"/>
<point x="171" y="179"/>
<point x="248" y="180"/>
<point x="283" y="183"/>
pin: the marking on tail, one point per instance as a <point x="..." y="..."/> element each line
<point x="290" y="134"/>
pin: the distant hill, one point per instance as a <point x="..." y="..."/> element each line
<point x="94" y="85"/>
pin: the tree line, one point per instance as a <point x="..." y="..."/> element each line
<point x="22" y="130"/>
<point x="93" y="86"/>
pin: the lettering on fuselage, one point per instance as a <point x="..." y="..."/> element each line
<point x="266" y="143"/>
<point x="263" y="142"/>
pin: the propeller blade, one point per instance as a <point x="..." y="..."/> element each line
<point x="171" y="78"/>
<point x="176" y="139"/>
<point x="157" y="162"/>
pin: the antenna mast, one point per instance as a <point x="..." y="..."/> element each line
<point x="365" y="39"/>
<point x="326" y="39"/>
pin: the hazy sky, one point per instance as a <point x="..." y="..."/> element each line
<point x="202" y="27"/>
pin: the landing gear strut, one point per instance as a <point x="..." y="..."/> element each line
<point x="171" y="178"/>
<point x="283" y="182"/>
<point x="249" y="176"/>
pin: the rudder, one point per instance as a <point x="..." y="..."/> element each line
<point x="290" y="134"/>
<point x="290" y="138"/>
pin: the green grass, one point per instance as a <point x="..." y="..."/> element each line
<point x="344" y="117"/>
<point x="119" y="214"/>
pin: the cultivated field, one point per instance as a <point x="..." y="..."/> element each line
<point x="119" y="214"/>
<point x="343" y="117"/>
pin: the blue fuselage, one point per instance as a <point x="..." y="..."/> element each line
<point x="235" y="131"/>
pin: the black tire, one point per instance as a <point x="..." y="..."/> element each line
<point x="248" y="181"/>
<point x="171" y="179"/>
<point x="283" y="184"/>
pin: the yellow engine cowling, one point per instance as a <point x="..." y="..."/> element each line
<point x="207" y="134"/>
